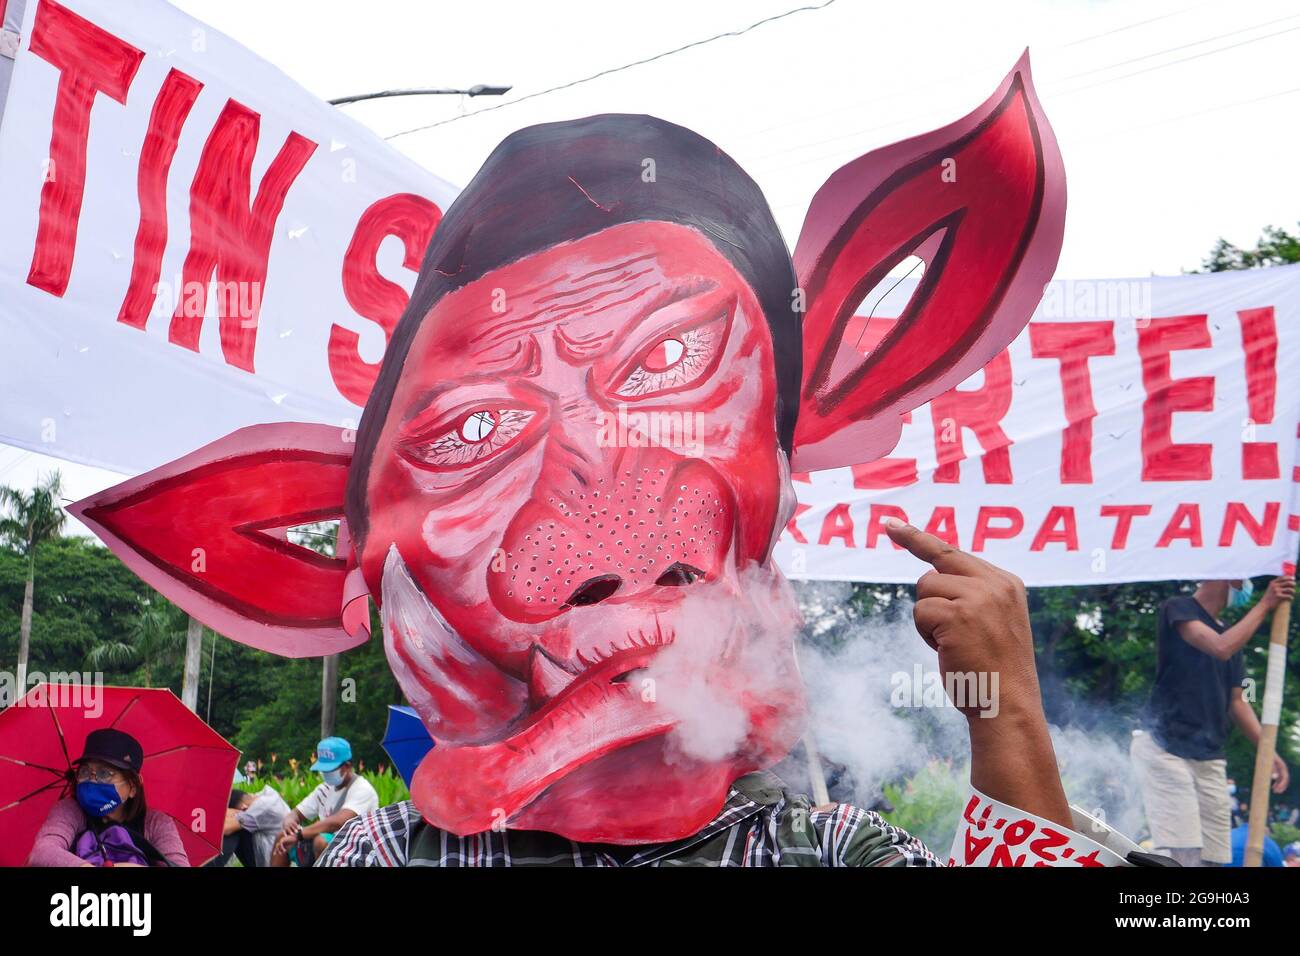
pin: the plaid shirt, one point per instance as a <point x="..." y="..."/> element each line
<point x="761" y="824"/>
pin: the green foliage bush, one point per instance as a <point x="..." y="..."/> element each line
<point x="295" y="786"/>
<point x="928" y="804"/>
<point x="1285" y="834"/>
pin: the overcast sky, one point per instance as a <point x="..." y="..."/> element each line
<point x="1177" y="121"/>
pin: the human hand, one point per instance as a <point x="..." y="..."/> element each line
<point x="976" y="617"/>
<point x="1281" y="590"/>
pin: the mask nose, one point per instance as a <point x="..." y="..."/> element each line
<point x="659" y="523"/>
<point x="602" y="586"/>
<point x="595" y="590"/>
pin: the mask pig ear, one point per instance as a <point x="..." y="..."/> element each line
<point x="982" y="202"/>
<point x="209" y="532"/>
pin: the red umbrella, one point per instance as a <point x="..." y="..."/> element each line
<point x="187" y="772"/>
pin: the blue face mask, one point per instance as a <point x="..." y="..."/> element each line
<point x="97" y="799"/>
<point x="1240" y="597"/>
<point x="333" y="777"/>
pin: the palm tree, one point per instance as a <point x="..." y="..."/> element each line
<point x="29" y="519"/>
<point x="157" y="633"/>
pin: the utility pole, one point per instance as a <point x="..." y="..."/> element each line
<point x="329" y="695"/>
<point x="193" y="661"/>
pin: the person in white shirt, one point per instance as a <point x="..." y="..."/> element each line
<point x="343" y="794"/>
<point x="252" y="828"/>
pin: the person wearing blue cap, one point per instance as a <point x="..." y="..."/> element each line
<point x="342" y="794"/>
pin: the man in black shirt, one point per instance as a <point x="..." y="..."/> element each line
<point x="1179" y="757"/>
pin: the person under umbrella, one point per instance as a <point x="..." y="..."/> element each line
<point x="107" y="822"/>
<point x="185" y="766"/>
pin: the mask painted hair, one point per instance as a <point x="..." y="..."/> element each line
<point x="577" y="456"/>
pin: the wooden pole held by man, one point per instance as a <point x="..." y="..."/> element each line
<point x="1267" y="746"/>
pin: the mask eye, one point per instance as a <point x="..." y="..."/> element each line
<point x="478" y="426"/>
<point x="675" y="361"/>
<point x="473" y="438"/>
<point x="664" y="355"/>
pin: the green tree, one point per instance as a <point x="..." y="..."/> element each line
<point x="30" y="519"/>
<point x="275" y="702"/>
<point x="87" y="596"/>
<point x="323" y="537"/>
<point x="1276" y="247"/>
<point x="157" y="633"/>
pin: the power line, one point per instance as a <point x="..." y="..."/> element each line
<point x="1131" y="129"/>
<point x="883" y="297"/>
<point x="949" y="79"/>
<point x="1186" y="59"/>
<point x="1185" y="116"/>
<point x="1130" y="26"/>
<point x="619" y="69"/>
<point x="15" y="463"/>
<point x="1175" y="49"/>
<point x="1047" y="88"/>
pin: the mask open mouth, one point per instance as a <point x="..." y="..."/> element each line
<point x="494" y="754"/>
<point x="665" y="716"/>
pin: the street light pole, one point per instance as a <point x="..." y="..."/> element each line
<point x="330" y="665"/>
<point x="480" y="89"/>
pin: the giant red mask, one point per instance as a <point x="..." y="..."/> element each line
<point x="581" y="457"/>
<point x="577" y="457"/>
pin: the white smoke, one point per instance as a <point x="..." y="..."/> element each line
<point x="858" y="718"/>
<point x="856" y="724"/>
<point x="1099" y="777"/>
<point x="733" y="646"/>
<point x="853" y="720"/>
